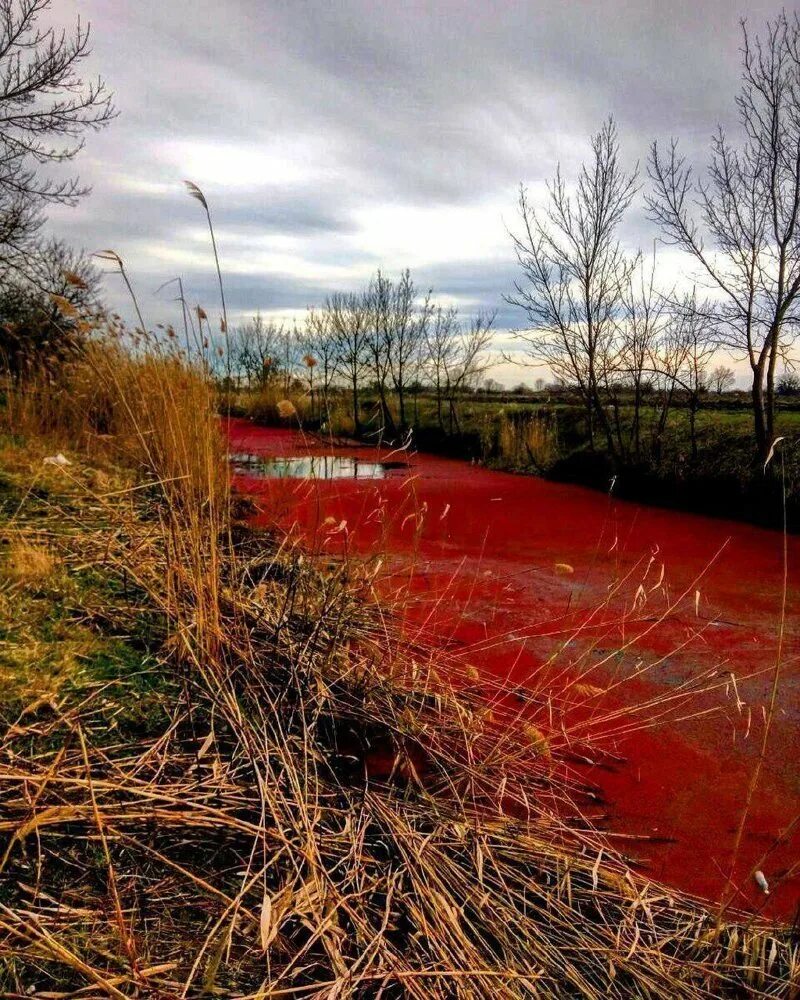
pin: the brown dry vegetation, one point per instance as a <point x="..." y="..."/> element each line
<point x="27" y="562"/>
<point x="231" y="842"/>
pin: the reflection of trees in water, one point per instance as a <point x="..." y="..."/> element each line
<point x="313" y="467"/>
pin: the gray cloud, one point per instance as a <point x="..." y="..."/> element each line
<point x="304" y="120"/>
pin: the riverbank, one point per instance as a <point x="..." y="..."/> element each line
<point x="701" y="463"/>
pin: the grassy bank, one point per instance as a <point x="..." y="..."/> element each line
<point x="701" y="463"/>
<point x="223" y="773"/>
<point x="707" y="469"/>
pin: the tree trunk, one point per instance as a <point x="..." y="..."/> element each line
<point x="770" y="390"/>
<point x="636" y="430"/>
<point x="389" y="428"/>
<point x="454" y="416"/>
<point x="760" y="426"/>
<point x="693" y="407"/>
<point x="604" y="422"/>
<point x="356" y="426"/>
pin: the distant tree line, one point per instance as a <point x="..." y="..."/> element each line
<point x="386" y="341"/>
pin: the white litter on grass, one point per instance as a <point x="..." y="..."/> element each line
<point x="761" y="882"/>
<point x="58" y="459"/>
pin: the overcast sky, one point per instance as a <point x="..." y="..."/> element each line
<point x="334" y="138"/>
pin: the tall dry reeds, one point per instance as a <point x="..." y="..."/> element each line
<point x="141" y="403"/>
<point x="525" y="440"/>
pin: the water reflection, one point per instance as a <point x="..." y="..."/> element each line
<point x="312" y="467"/>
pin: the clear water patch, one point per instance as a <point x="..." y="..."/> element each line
<point x="312" y="466"/>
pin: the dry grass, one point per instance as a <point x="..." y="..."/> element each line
<point x="326" y="814"/>
<point x="272" y="404"/>
<point x="28" y="563"/>
<point x="530" y="441"/>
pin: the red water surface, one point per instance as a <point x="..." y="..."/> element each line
<point x="542" y="584"/>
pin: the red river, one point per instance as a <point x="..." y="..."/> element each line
<point x="514" y="572"/>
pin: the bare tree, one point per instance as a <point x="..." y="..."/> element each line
<point x="574" y="273"/>
<point x="289" y="355"/>
<point x="255" y="350"/>
<point x="45" y="110"/>
<point x="399" y="324"/>
<point x="455" y="357"/>
<point x="381" y="306"/>
<point x="641" y="324"/>
<point x="46" y="314"/>
<point x="741" y="225"/>
<point x="350" y="328"/>
<point x="388" y="339"/>
<point x="321" y="345"/>
<point x="722" y="379"/>
<point x="440" y="352"/>
<point x="309" y="367"/>
<point x="693" y="345"/>
<point x="410" y="321"/>
<point x="469" y="361"/>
